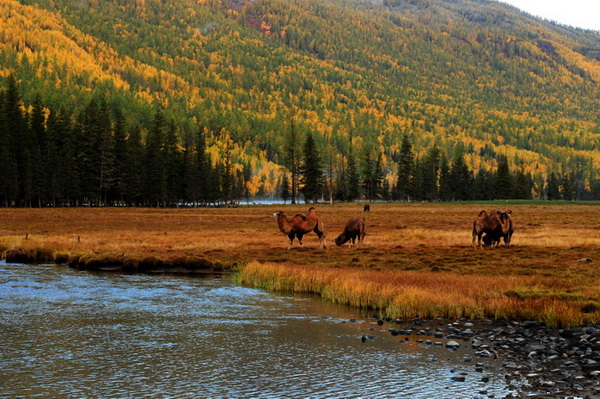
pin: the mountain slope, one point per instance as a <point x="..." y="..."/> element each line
<point x="474" y="76"/>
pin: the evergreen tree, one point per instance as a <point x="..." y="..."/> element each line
<point x="460" y="178"/>
<point x="135" y="160"/>
<point x="227" y="178"/>
<point x="40" y="151"/>
<point x="446" y="192"/>
<point x="121" y="154"/>
<point x="106" y="148"/>
<point x="292" y="156"/>
<point x="483" y="186"/>
<point x="523" y="185"/>
<point x="430" y="174"/>
<point x="311" y="171"/>
<point x="567" y="187"/>
<point x="173" y="162"/>
<point x="368" y="173"/>
<point x="285" y="188"/>
<point x="353" y="177"/>
<point x="155" y="186"/>
<point x="406" y="171"/>
<point x="11" y="154"/>
<point x="503" y="185"/>
<point x="553" y="190"/>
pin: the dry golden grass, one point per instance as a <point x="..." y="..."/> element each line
<point x="417" y="258"/>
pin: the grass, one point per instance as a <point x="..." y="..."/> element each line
<point x="417" y="258"/>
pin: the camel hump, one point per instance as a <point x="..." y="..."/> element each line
<point x="482" y="213"/>
<point x="311" y="209"/>
<point x="300" y="216"/>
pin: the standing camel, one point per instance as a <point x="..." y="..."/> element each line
<point x="299" y="225"/>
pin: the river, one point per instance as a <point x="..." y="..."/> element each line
<point x="67" y="333"/>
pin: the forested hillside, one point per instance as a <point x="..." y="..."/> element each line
<point x="477" y="78"/>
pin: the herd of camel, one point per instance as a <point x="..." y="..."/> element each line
<point x="496" y="225"/>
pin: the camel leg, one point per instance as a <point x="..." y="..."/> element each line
<point x="351" y="242"/>
<point x="322" y="239"/>
<point x="479" y="240"/>
<point x="291" y="238"/>
<point x="300" y="240"/>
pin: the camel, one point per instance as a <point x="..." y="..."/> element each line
<point x="299" y="225"/>
<point x="495" y="223"/>
<point x="493" y="239"/>
<point x="355" y="228"/>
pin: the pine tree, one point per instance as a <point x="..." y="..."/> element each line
<point x="135" y="160"/>
<point x="460" y="178"/>
<point x="523" y="185"/>
<point x="107" y="155"/>
<point x="11" y="128"/>
<point x="156" y="179"/>
<point x="121" y="154"/>
<point x="311" y="171"/>
<point x="173" y="165"/>
<point x="40" y="151"/>
<point x="285" y="188"/>
<point x="503" y="185"/>
<point x="353" y="177"/>
<point x="367" y="176"/>
<point x="446" y="191"/>
<point x="406" y="171"/>
<point x="292" y="156"/>
<point x="567" y="187"/>
<point x="430" y="174"/>
<point x="553" y="190"/>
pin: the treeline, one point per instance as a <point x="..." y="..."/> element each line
<point x="94" y="158"/>
<point x="431" y="178"/>
<point x="53" y="158"/>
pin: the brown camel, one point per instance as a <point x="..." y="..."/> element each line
<point x="496" y="224"/>
<point x="299" y="225"/>
<point x="493" y="239"/>
<point x="355" y="229"/>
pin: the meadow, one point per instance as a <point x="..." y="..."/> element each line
<point x="417" y="259"/>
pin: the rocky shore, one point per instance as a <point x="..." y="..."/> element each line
<point x="538" y="361"/>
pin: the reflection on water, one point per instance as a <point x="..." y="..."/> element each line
<point x="77" y="334"/>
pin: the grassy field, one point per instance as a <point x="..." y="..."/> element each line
<point x="417" y="258"/>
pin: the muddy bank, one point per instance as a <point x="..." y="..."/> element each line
<point x="538" y="361"/>
<point x="121" y="263"/>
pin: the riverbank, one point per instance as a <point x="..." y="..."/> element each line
<point x="537" y="361"/>
<point x="417" y="258"/>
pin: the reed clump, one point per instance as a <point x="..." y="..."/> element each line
<point x="408" y="294"/>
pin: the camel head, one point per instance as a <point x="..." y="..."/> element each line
<point x="341" y="240"/>
<point x="278" y="215"/>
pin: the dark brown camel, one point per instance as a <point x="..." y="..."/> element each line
<point x="355" y="228"/>
<point x="299" y="225"/>
<point x="495" y="224"/>
<point x="493" y="239"/>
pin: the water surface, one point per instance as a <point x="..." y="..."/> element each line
<point x="67" y="333"/>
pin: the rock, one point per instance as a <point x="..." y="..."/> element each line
<point x="380" y="322"/>
<point x="485" y="379"/>
<point x="458" y="378"/>
<point x="438" y="335"/>
<point x="535" y="347"/>
<point x="532" y="324"/>
<point x="452" y="345"/>
<point x="586" y="260"/>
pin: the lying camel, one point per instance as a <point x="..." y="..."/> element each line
<point x="495" y="224"/>
<point x="355" y="228"/>
<point x="299" y="225"/>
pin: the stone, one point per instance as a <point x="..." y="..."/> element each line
<point x="452" y="345"/>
